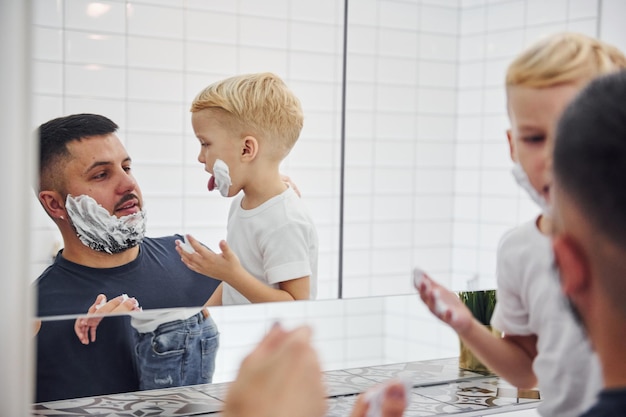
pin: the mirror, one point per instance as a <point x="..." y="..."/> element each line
<point x="424" y="177"/>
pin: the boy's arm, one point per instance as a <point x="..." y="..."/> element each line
<point x="226" y="267"/>
<point x="511" y="357"/>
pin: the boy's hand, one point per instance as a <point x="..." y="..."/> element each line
<point x="85" y="327"/>
<point x="443" y="303"/>
<point x="221" y="266"/>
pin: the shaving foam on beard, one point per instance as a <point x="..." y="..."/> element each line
<point x="221" y="178"/>
<point x="101" y="231"/>
<point x="522" y="180"/>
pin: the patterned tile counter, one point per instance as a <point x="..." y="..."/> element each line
<point x="439" y="388"/>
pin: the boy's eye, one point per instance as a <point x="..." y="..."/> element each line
<point x="534" y="138"/>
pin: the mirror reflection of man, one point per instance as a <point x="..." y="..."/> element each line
<point x="87" y="188"/>
<point x="589" y="239"/>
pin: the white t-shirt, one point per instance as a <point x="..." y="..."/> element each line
<point x="529" y="301"/>
<point x="275" y="242"/>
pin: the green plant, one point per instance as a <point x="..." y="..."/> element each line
<point x="480" y="303"/>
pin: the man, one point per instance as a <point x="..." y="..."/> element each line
<point x="589" y="237"/>
<point x="87" y="188"/>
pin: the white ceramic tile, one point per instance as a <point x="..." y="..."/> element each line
<point x="539" y="12"/>
<point x="154" y="148"/>
<point x="261" y="59"/>
<point x="210" y="57"/>
<point x="466" y="208"/>
<point x="436" y="127"/>
<point x="218" y="6"/>
<point x="437" y="74"/>
<point x="160" y="179"/>
<point x="391" y="207"/>
<point x="364" y="326"/>
<point x="396" y="70"/>
<point x="358" y="208"/>
<point x="357" y="235"/>
<point x="390" y="98"/>
<point x="495" y="72"/>
<point x="391" y="261"/>
<point x="155" y="53"/>
<point x="612" y="27"/>
<point x="468" y="155"/>
<point x="466" y="181"/>
<point x="430" y="259"/>
<point x="465" y="234"/>
<point x="265" y="32"/>
<point x="155" y="85"/>
<point x="437" y="101"/>
<point x="580" y="9"/>
<point x="469" y="102"/>
<point x="324" y="11"/>
<point x="360" y="96"/>
<point x="469" y="129"/>
<point x="361" y="69"/>
<point x="498" y="182"/>
<point x="148" y="20"/>
<point x="472" y="47"/>
<point x="534" y="33"/>
<point x="433" y="208"/>
<point x="155" y="117"/>
<point x="315" y="66"/>
<point x="471" y="75"/>
<point x="95" y="48"/>
<point x="323" y="124"/>
<point x="364" y="12"/>
<point x="472" y="3"/>
<point x="395" y="125"/>
<point x="464" y="260"/>
<point x="490" y="234"/>
<point x="113" y="108"/>
<point x="163" y="211"/>
<point x="102" y="16"/>
<point x="509" y="15"/>
<point x="211" y="27"/>
<point x="495" y="126"/>
<point x="47" y="13"/>
<point x="432" y="233"/>
<point x="494" y="100"/>
<point x="356" y="263"/>
<point x="498" y="209"/>
<point x="392" y="153"/>
<point x="47" y="43"/>
<point x="473" y="20"/>
<point x="273" y="8"/>
<point x="398" y="43"/>
<point x="392" y="180"/>
<point x="44" y="108"/>
<point x="363" y="40"/>
<point x="496" y="155"/>
<point x="314" y="37"/>
<point x="438" y="47"/>
<point x="95" y="80"/>
<point x="587" y="26"/>
<point x="504" y="44"/>
<point x="396" y="14"/>
<point x="435" y="155"/>
<point x="439" y="20"/>
<point x="395" y="233"/>
<point x="434" y="181"/>
<point x="47" y="78"/>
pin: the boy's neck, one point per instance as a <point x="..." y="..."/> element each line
<point x="261" y="188"/>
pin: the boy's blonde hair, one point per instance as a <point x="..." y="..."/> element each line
<point x="260" y="105"/>
<point x="563" y="58"/>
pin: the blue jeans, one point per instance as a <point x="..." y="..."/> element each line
<point x="181" y="352"/>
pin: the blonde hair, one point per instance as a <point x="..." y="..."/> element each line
<point x="563" y="58"/>
<point x="261" y="105"/>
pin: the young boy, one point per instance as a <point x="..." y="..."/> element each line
<point x="541" y="342"/>
<point x="246" y="126"/>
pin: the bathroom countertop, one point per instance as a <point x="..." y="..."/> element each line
<point x="439" y="388"/>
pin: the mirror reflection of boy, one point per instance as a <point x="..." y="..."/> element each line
<point x="246" y="126"/>
<point x="541" y="343"/>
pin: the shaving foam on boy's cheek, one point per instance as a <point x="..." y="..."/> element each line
<point x="522" y="180"/>
<point x="222" y="177"/>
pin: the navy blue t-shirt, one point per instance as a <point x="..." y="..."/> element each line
<point x="611" y="403"/>
<point x="66" y="368"/>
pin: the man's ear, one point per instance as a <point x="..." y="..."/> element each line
<point x="573" y="266"/>
<point x="249" y="148"/>
<point x="53" y="203"/>
<point x="509" y="138"/>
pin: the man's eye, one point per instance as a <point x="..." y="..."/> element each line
<point x="99" y="175"/>
<point x="127" y="169"/>
<point x="534" y="138"/>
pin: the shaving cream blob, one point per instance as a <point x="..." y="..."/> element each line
<point x="101" y="231"/>
<point x="522" y="180"/>
<point x="222" y="177"/>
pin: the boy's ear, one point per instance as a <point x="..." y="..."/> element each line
<point x="53" y="203"/>
<point x="509" y="138"/>
<point x="249" y="148"/>
<point x="573" y="266"/>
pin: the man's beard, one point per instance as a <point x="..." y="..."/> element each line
<point x="103" y="232"/>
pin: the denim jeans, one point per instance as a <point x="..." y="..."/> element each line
<point x="181" y="352"/>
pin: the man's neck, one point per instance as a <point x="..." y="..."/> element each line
<point x="610" y="344"/>
<point x="86" y="256"/>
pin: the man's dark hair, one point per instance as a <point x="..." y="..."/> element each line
<point x="55" y="134"/>
<point x="590" y="154"/>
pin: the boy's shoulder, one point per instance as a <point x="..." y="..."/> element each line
<point x="526" y="236"/>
